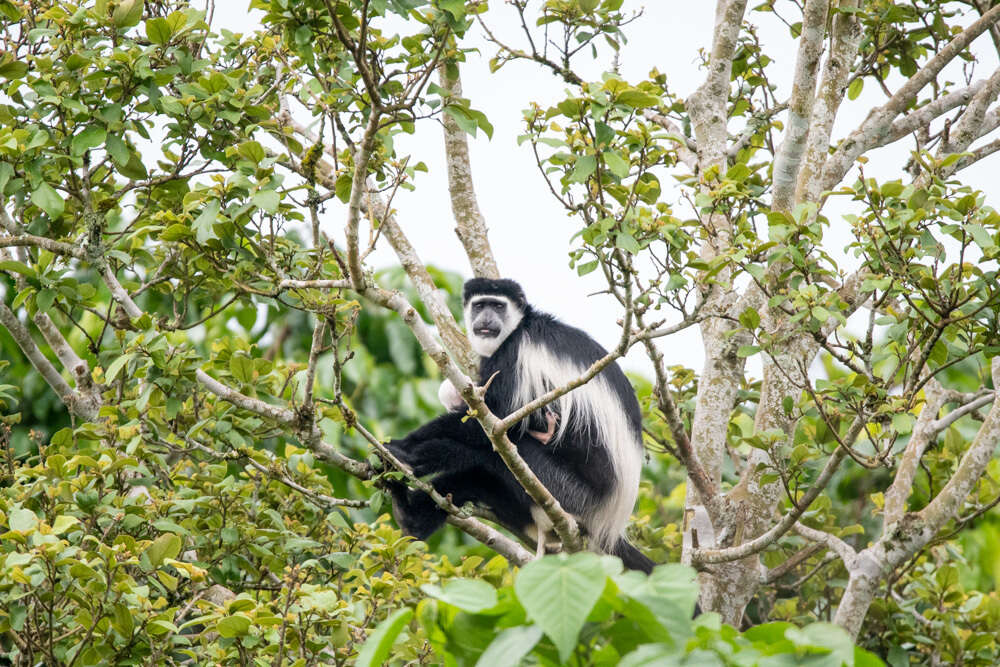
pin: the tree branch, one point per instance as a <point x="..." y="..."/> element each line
<point x="76" y="402"/>
<point x="758" y="544"/>
<point x="878" y="123"/>
<point x="845" y="38"/>
<point x="789" y="156"/>
<point x="470" y="223"/>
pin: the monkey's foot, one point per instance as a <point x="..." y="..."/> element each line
<point x="551" y="419"/>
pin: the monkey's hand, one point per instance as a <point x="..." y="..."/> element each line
<point x="551" y="421"/>
<point x="449" y="396"/>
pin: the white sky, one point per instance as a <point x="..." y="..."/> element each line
<point x="529" y="230"/>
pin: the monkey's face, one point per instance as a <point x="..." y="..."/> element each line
<point x="490" y="319"/>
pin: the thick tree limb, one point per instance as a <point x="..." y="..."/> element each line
<point x="879" y="122"/>
<point x="971" y="121"/>
<point x="707" y="105"/>
<point x="792" y="149"/>
<point x="470" y="223"/>
<point x="845" y="38"/>
<point x="834" y="543"/>
<point x="30" y="240"/>
<point x="77" y="402"/>
<point x="758" y="544"/>
<point x="359" y="187"/>
<point x="906" y="536"/>
<point x="921" y="117"/>
<point x="921" y="436"/>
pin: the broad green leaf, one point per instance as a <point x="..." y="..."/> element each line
<point x="13" y="70"/>
<point x="653" y="655"/>
<point x="204" y="224"/>
<point x="616" y="164"/>
<point x="267" y="200"/>
<point x="585" y="166"/>
<point x="91" y="137"/>
<point x="376" y="648"/>
<point x="127" y="13"/>
<point x="855" y="88"/>
<point x="158" y="31"/>
<point x="46" y="198"/>
<point x="510" y="646"/>
<point x="471" y="595"/>
<point x="342" y="187"/>
<point x="454" y="7"/>
<point x="135" y="169"/>
<point x="165" y="546"/>
<point x="63" y="523"/>
<point x="627" y="242"/>
<point x="44" y="299"/>
<point x="236" y="625"/>
<point x="241" y="366"/>
<point x="111" y="372"/>
<point x="637" y="99"/>
<point x="22" y="520"/>
<point x="117" y="149"/>
<point x="558" y="592"/>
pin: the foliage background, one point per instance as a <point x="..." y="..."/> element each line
<point x="149" y="536"/>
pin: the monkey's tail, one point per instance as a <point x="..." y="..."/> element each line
<point x="632" y="557"/>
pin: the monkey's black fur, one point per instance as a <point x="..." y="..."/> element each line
<point x="577" y="466"/>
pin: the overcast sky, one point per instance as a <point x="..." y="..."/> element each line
<point x="529" y="230"/>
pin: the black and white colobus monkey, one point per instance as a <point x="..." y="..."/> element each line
<point x="585" y="447"/>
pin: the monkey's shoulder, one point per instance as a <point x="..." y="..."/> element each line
<point x="549" y="332"/>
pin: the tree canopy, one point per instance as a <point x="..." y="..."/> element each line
<point x="201" y="363"/>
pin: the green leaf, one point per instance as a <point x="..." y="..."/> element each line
<point x="158" y="31"/>
<point x="471" y="595"/>
<point x="91" y="137"/>
<point x="241" y="366"/>
<point x="17" y="267"/>
<point x="236" y="625"/>
<point x="342" y="188"/>
<point x="584" y="269"/>
<point x="510" y="646"/>
<point x="252" y="150"/>
<point x="747" y="350"/>
<point x="204" y="224"/>
<point x="46" y="198"/>
<point x="13" y="70"/>
<point x="454" y="7"/>
<point x="376" y="648"/>
<point x="165" y="546"/>
<point x="127" y="13"/>
<point x="22" y="520"/>
<point x="855" y="88"/>
<point x="44" y="299"/>
<point x="585" y="166"/>
<point x="750" y="318"/>
<point x="627" y="242"/>
<point x="463" y="118"/>
<point x="135" y="169"/>
<point x="267" y="200"/>
<point x="616" y="164"/>
<point x="820" y="313"/>
<point x="637" y="99"/>
<point x="117" y="149"/>
<point x="63" y="523"/>
<point x="111" y="372"/>
<point x="651" y="655"/>
<point x="558" y="592"/>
